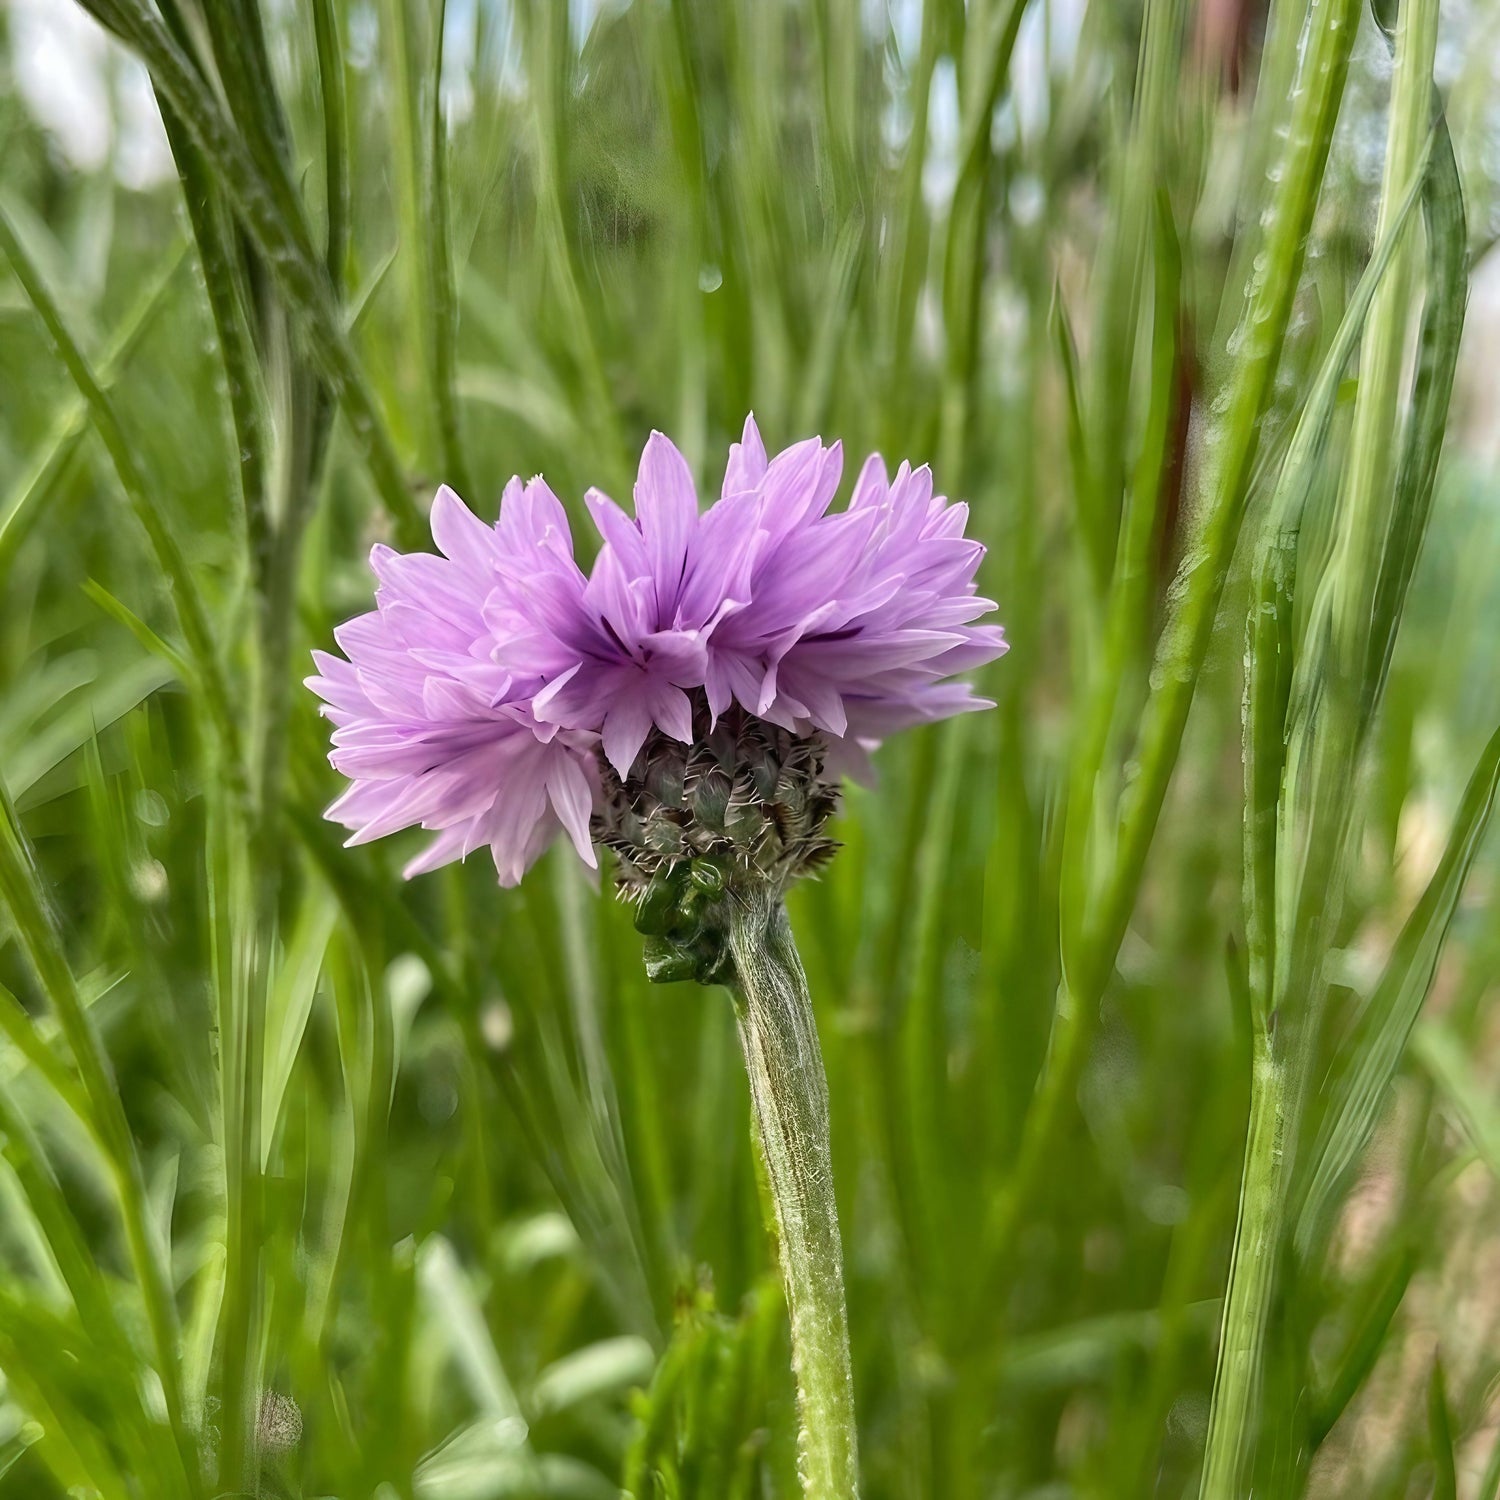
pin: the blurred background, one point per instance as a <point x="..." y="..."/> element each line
<point x="314" y="1183"/>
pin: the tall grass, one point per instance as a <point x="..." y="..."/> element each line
<point x="1157" y="1003"/>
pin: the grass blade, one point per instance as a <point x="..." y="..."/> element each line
<point x="304" y="283"/>
<point x="437" y="250"/>
<point x="191" y="611"/>
<point x="1437" y="359"/>
<point x="22" y="508"/>
<point x="1379" y="1039"/>
<point x="36" y="928"/>
<point x="1228" y="468"/>
<point x="1443" y="1058"/>
<point x="1440" y="1436"/>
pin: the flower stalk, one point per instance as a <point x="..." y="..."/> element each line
<point x="789" y="1096"/>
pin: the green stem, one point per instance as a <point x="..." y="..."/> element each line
<point x="789" y="1094"/>
<point x="1232" y="1419"/>
<point x="1293" y="919"/>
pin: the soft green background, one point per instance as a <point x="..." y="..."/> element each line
<point x="421" y="1191"/>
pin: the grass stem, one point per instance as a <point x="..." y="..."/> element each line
<point x="1232" y="1420"/>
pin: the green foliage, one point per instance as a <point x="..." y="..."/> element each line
<point x="314" y="1183"/>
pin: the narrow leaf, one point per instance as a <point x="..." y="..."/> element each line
<point x="1445" y="1059"/>
<point x="143" y="498"/>
<point x="1440" y="1435"/>
<point x="1380" y="1035"/>
<point x="303" y="282"/>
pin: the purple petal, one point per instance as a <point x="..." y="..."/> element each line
<point x="460" y="535"/>
<point x="626" y="726"/>
<point x="747" y="461"/>
<point x="572" y="800"/>
<point x="666" y="505"/>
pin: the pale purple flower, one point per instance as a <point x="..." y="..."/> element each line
<point x="432" y="727"/>
<point x="855" y="618"/>
<point x="478" y="696"/>
<point x="660" y="585"/>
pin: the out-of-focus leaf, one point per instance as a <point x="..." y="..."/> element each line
<point x="148" y="638"/>
<point x="143" y="498"/>
<point x="289" y="1004"/>
<point x="1446" y="1061"/>
<point x="482" y="1463"/>
<point x="36" y="927"/>
<point x="282" y="243"/>
<point x="1489" y="1484"/>
<point x="605" y="1368"/>
<point x="457" y="1319"/>
<point x="107" y="698"/>
<point x="22" y="508"/>
<point x="1065" y="1357"/>
<point x="1373" y="1050"/>
<point x="1377" y="1300"/>
<point x="524" y="399"/>
<point x="1440" y="1436"/>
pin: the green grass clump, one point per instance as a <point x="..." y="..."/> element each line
<point x="1157" y="1004"/>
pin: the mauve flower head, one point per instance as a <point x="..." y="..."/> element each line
<point x="855" y="619"/>
<point x="660" y="585"/>
<point x="478" y="697"/>
<point x="433" y="722"/>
